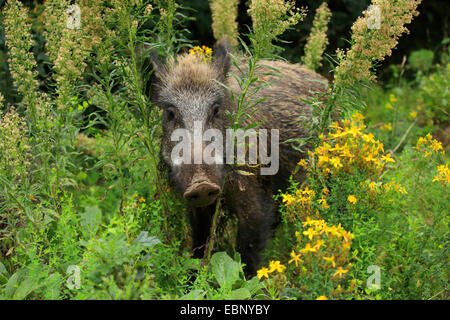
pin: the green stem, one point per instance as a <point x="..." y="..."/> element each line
<point x="143" y="108"/>
<point x="212" y="232"/>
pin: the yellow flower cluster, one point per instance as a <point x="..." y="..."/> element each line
<point x="397" y="187"/>
<point x="204" y="52"/>
<point x="318" y="246"/>
<point x="427" y="145"/>
<point x="443" y="174"/>
<point x="273" y="266"/>
<point x="374" y="187"/>
<point x="348" y="147"/>
<point x="301" y="204"/>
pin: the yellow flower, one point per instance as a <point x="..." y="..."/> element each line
<point x="308" y="222"/>
<point x="337" y="147"/>
<point x="347" y="235"/>
<point x="288" y="198"/>
<point x="413" y="115"/>
<point x="322" y="298"/>
<point x="330" y="259"/>
<point x="275" y="265"/>
<point x="304" y="200"/>
<point x="319" y="244"/>
<point x="263" y="272"/>
<point x="325" y="191"/>
<point x="354" y="131"/>
<point x="323" y="202"/>
<point x="323" y="159"/>
<point x="303" y="163"/>
<point x="352" y="199"/>
<point x="207" y="51"/>
<point x="392" y="98"/>
<point x="335" y="125"/>
<point x="358" y="117"/>
<point x="308" y="191"/>
<point x="295" y="258"/>
<point x="347" y="153"/>
<point x="308" y="248"/>
<point x="369" y="138"/>
<point x="310" y="233"/>
<point x="204" y="52"/>
<point x="141" y="200"/>
<point x="436" y="145"/>
<point x="387" y="127"/>
<point x="389" y="106"/>
<point x="387" y="158"/>
<point x="340" y="272"/>
<point x="443" y="174"/>
<point x="336" y="162"/>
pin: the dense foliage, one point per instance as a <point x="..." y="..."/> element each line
<point x="86" y="211"/>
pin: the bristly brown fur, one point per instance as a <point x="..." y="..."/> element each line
<point x="188" y="71"/>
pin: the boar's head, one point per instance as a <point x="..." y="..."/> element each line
<point x="188" y="91"/>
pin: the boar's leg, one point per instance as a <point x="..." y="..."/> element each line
<point x="200" y="220"/>
<point x="255" y="210"/>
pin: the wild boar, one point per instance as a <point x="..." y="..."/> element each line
<point x="186" y="92"/>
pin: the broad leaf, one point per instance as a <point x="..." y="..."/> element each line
<point x="225" y="269"/>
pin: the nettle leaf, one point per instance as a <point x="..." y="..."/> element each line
<point x="145" y="240"/>
<point x="254" y="285"/>
<point x="90" y="220"/>
<point x="14" y="281"/>
<point x="225" y="269"/>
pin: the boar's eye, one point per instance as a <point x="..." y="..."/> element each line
<point x="216" y="109"/>
<point x="170" y="113"/>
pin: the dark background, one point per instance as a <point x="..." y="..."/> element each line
<point x="426" y="31"/>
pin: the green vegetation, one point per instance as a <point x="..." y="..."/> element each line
<point x="87" y="213"/>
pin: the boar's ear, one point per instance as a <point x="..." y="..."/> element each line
<point x="148" y="65"/>
<point x="221" y="56"/>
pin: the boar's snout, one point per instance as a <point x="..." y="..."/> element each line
<point x="201" y="194"/>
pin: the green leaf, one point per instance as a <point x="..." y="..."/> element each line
<point x="240" y="294"/>
<point x="90" y="220"/>
<point x="146" y="241"/>
<point x="196" y="294"/>
<point x="244" y="173"/>
<point x="3" y="273"/>
<point x="13" y="282"/>
<point x="225" y="270"/>
<point x="253" y="285"/>
<point x="27" y="286"/>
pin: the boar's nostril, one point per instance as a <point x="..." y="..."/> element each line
<point x="213" y="193"/>
<point x="192" y="197"/>
<point x="202" y="194"/>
